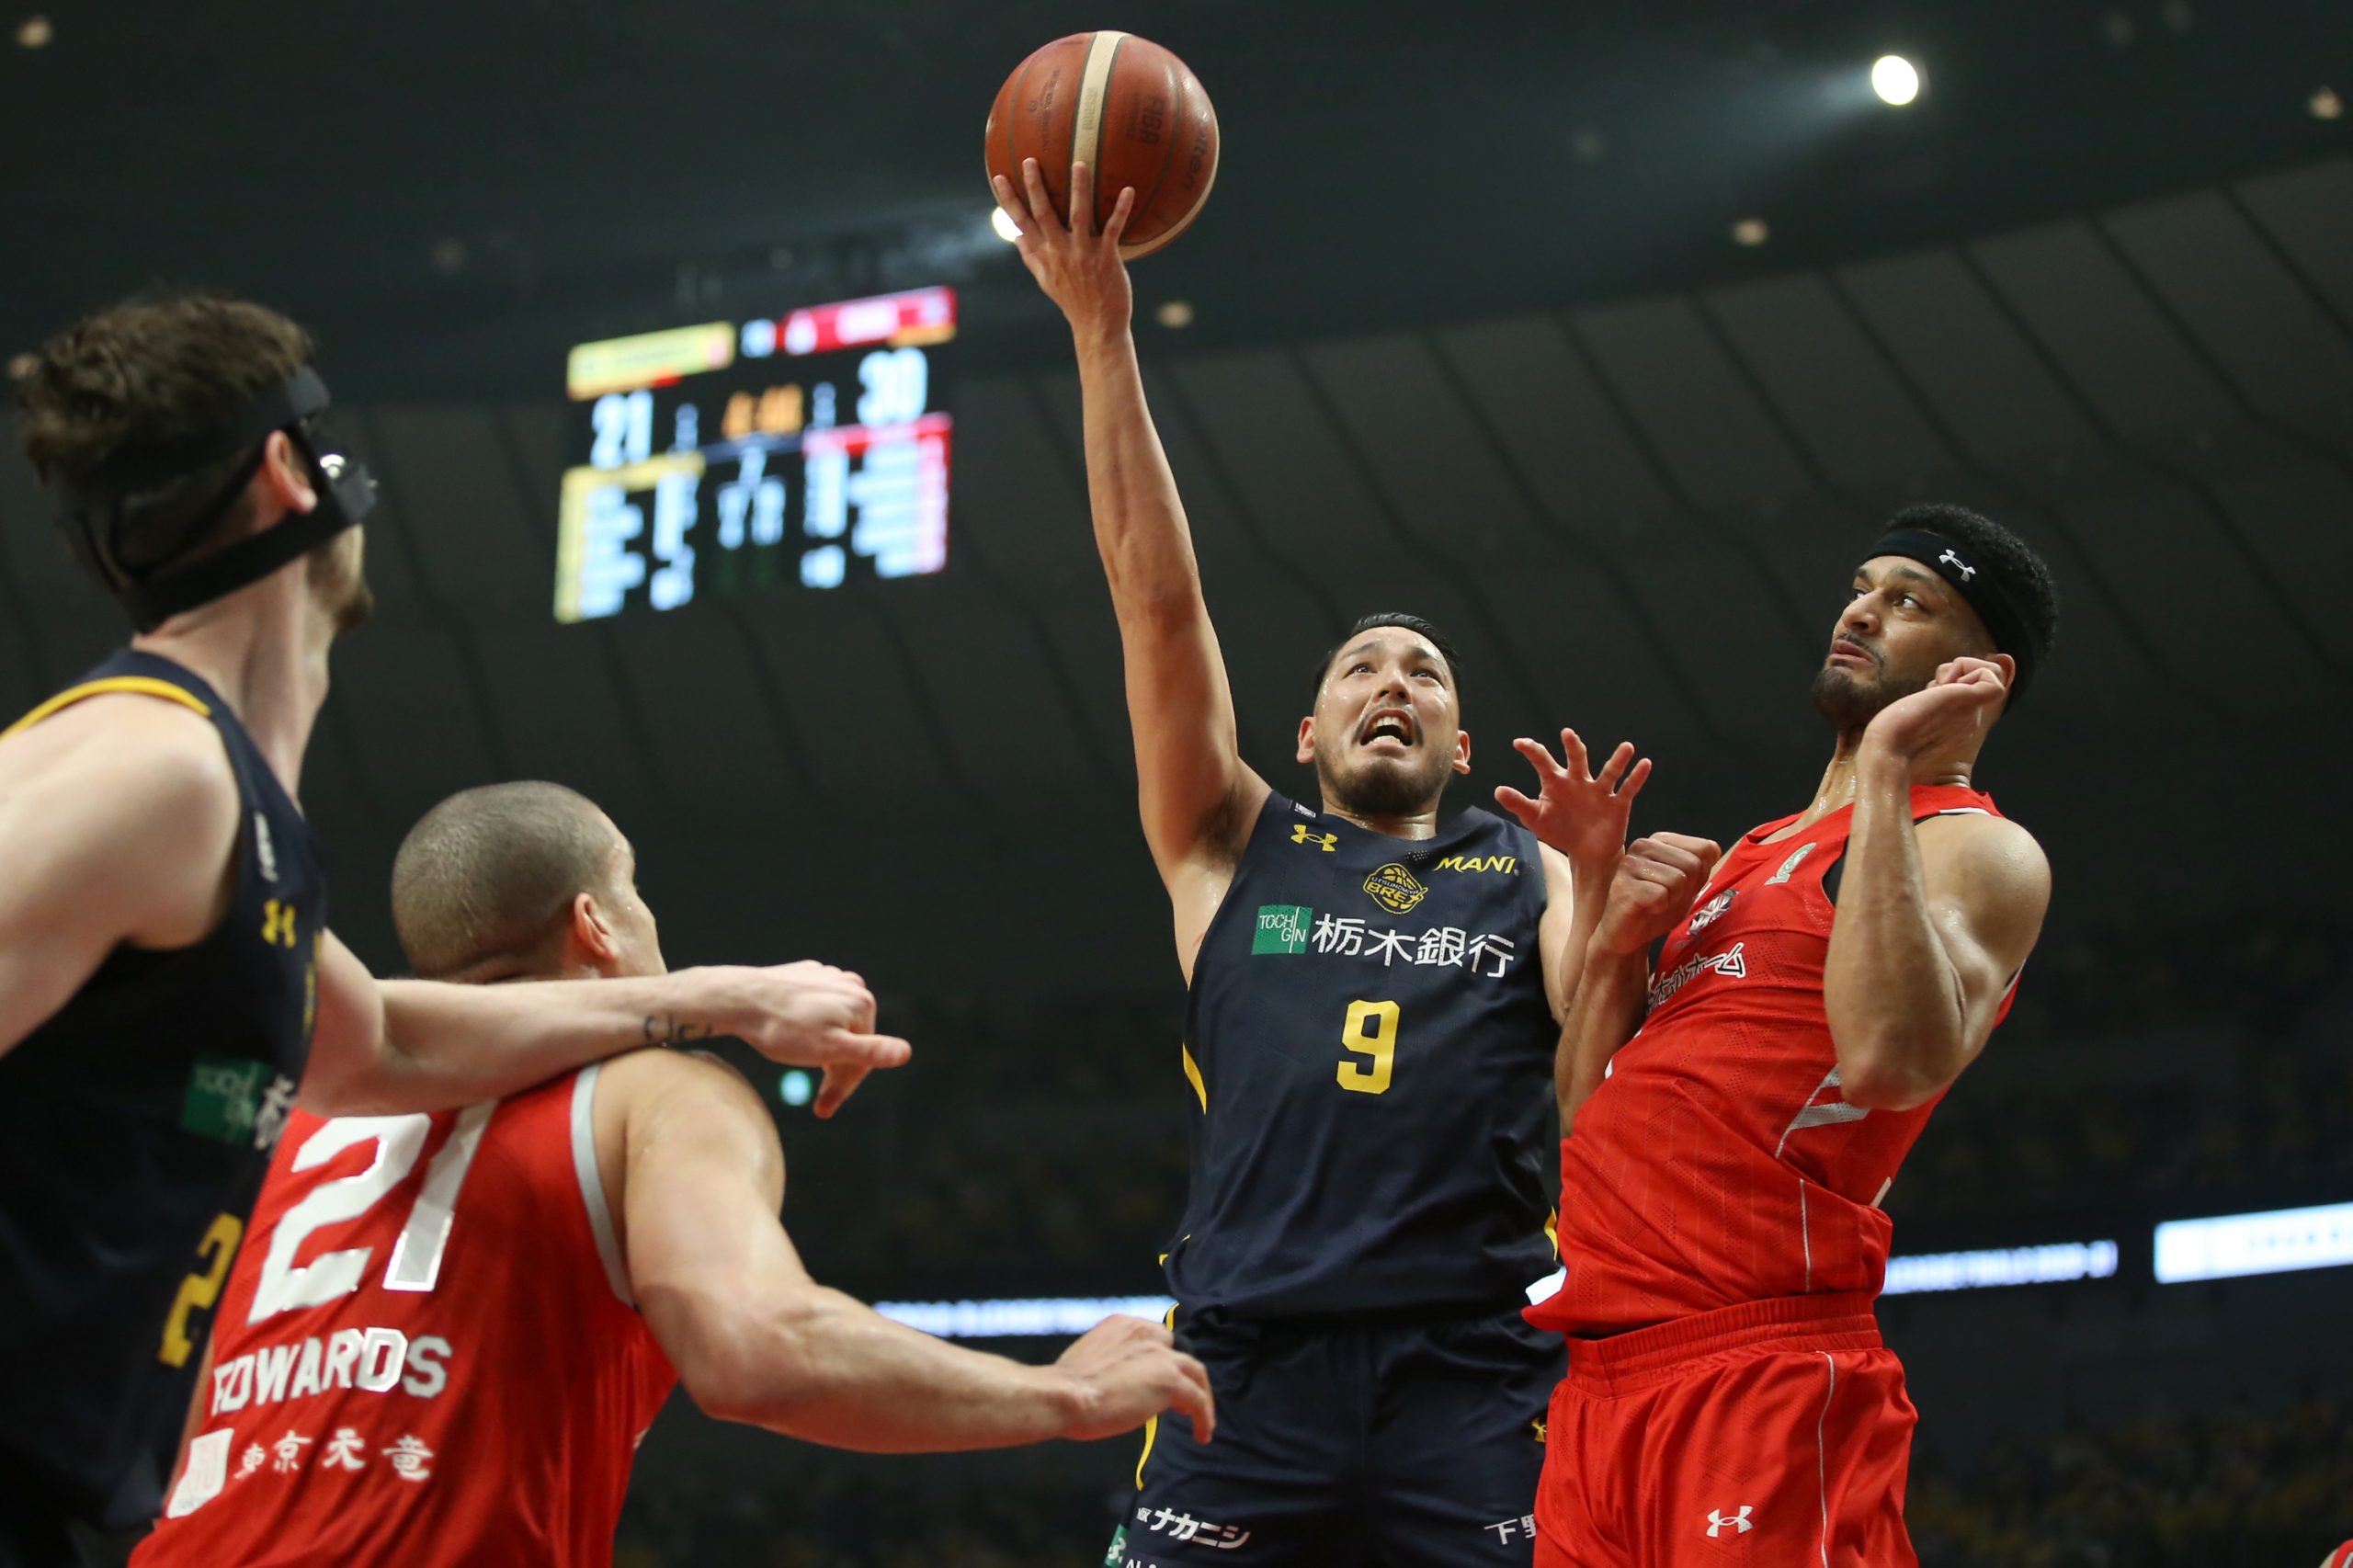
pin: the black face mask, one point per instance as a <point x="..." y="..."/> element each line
<point x="347" y="493"/>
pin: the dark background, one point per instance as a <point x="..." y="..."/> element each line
<point x="1471" y="336"/>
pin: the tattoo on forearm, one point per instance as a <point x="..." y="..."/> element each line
<point x="668" y="1029"/>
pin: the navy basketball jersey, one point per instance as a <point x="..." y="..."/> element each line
<point x="1370" y="1051"/>
<point x="135" y="1126"/>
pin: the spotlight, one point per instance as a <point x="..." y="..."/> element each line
<point x="1174" y="314"/>
<point x="1895" y="80"/>
<point x="34" y="33"/>
<point x="796" y="1087"/>
<point x="2326" y="104"/>
<point x="1007" y="229"/>
<point x="1750" y="231"/>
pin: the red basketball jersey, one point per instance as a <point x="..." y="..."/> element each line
<point x="1717" y="1164"/>
<point x="425" y="1355"/>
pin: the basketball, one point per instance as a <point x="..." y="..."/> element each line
<point x="1126" y="107"/>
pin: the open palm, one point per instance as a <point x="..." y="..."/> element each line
<point x="1576" y="810"/>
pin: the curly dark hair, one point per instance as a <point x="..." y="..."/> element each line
<point x="1413" y="623"/>
<point x="2024" y="576"/>
<point x="155" y="367"/>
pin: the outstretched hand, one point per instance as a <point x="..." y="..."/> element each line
<point x="1079" y="269"/>
<point x="1577" y="812"/>
<point x="797" y="1015"/>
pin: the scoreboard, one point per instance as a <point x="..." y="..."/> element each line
<point x="727" y="457"/>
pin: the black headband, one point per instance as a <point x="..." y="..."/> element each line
<point x="345" y="495"/>
<point x="1986" y="592"/>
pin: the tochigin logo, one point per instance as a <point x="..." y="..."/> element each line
<point x="1396" y="888"/>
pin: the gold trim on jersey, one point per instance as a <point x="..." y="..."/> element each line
<point x="143" y="685"/>
<point x="1193" y="1077"/>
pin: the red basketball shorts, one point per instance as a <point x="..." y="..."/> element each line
<point x="1770" y="1435"/>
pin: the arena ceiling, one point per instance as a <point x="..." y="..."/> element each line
<point x="453" y="193"/>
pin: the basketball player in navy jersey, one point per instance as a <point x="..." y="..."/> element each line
<point x="1375" y="999"/>
<point x="167" y="975"/>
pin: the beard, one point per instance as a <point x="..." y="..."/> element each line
<point x="1384" y="788"/>
<point x="1851" y="703"/>
<point x="339" y="581"/>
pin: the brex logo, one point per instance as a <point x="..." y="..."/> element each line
<point x="1396" y="888"/>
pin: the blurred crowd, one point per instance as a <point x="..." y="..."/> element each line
<point x="2234" y="1489"/>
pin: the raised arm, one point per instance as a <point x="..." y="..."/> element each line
<point x="118" y="825"/>
<point x="1580" y="818"/>
<point x="386" y="1047"/>
<point x="1656" y="881"/>
<point x="1197" y="797"/>
<point x="1934" y="920"/>
<point x="700" y="1175"/>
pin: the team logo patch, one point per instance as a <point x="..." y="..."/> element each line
<point x="1396" y="888"/>
<point x="1282" y="929"/>
<point x="224" y="1098"/>
<point x="1711" y="910"/>
<point x="1118" y="1552"/>
<point x="1791" y="865"/>
<point x="1327" y="842"/>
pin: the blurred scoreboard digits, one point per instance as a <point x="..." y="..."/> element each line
<point x="721" y="459"/>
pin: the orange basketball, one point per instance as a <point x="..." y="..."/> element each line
<point x="1126" y="107"/>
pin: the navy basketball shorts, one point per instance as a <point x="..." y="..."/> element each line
<point x="1351" y="1443"/>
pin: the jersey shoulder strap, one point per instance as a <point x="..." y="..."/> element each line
<point x="141" y="686"/>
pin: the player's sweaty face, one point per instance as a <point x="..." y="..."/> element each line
<point x="1387" y="723"/>
<point x="1901" y="623"/>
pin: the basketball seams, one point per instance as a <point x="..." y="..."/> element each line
<point x="1176" y="128"/>
<point x="1217" y="149"/>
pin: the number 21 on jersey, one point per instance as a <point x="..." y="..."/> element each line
<point x="415" y="1262"/>
<point x="1370" y="1032"/>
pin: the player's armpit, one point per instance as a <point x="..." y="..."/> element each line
<point x="119" y="822"/>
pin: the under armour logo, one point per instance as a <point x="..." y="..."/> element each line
<point x="1957" y="564"/>
<point x="1327" y="842"/>
<point x="1717" y="1520"/>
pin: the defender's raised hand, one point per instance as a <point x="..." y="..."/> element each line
<point x="1949" y="712"/>
<point x="1079" y="269"/>
<point x="1577" y="812"/>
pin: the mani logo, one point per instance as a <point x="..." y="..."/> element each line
<point x="1508" y="863"/>
<point x="1396" y="888"/>
<point x="1718" y="1521"/>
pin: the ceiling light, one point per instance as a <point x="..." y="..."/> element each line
<point x="34" y="33"/>
<point x="1002" y="222"/>
<point x="2326" y="104"/>
<point x="1750" y="231"/>
<point x="1174" y="314"/>
<point x="1894" y="79"/>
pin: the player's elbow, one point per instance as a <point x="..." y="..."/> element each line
<point x="754" y="1370"/>
<point x="1886" y="1076"/>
